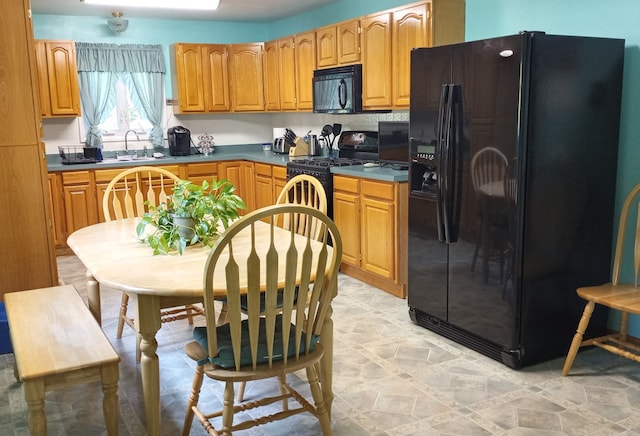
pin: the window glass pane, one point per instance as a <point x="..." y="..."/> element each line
<point x="124" y="116"/>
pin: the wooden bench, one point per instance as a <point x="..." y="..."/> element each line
<point x="56" y="343"/>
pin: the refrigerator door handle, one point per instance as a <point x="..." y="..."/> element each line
<point x="454" y="166"/>
<point x="445" y="168"/>
<point x="440" y="206"/>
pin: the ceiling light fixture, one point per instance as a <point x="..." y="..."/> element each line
<point x="164" y="4"/>
<point x="117" y="23"/>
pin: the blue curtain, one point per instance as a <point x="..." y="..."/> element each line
<point x="149" y="98"/>
<point x="97" y="101"/>
<point x="142" y="65"/>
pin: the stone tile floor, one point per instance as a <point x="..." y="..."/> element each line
<point x="391" y="377"/>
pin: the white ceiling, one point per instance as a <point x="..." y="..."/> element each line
<point x="229" y="10"/>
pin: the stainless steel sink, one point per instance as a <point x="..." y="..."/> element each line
<point x="140" y="159"/>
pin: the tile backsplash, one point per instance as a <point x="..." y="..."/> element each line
<point x="226" y="128"/>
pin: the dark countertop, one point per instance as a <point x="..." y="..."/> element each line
<point x="251" y="152"/>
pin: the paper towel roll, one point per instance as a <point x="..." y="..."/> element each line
<point x="278" y="132"/>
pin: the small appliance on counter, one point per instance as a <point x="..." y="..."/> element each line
<point x="361" y="144"/>
<point x="280" y="146"/>
<point x="393" y="143"/>
<point x="179" y="139"/>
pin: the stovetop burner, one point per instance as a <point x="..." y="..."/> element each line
<point x="325" y="162"/>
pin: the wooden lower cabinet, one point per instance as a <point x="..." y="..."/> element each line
<point x="269" y="181"/>
<point x="240" y="173"/>
<point x="279" y="180"/>
<point x="56" y="199"/>
<point x="372" y="218"/>
<point x="80" y="202"/>
<point x="200" y="172"/>
<point x="264" y="190"/>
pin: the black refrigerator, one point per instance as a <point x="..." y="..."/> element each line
<point x="512" y="172"/>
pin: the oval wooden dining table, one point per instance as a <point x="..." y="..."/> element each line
<point x="114" y="257"/>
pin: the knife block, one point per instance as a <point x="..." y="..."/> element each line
<point x="301" y="148"/>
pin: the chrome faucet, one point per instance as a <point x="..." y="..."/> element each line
<point x="126" y="144"/>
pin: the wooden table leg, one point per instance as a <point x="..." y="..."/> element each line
<point x="147" y="324"/>
<point x="110" y="375"/>
<point x="93" y="297"/>
<point x="34" y="395"/>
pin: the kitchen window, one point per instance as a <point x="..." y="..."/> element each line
<point x="124" y="115"/>
<point x="121" y="88"/>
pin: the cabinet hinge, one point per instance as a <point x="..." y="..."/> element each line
<point x="359" y="29"/>
<point x="428" y="15"/>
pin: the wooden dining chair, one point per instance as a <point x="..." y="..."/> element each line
<point x="307" y="191"/>
<point x="303" y="190"/>
<point x="488" y="170"/>
<point x="623" y="297"/>
<point x="125" y="197"/>
<point x="252" y="346"/>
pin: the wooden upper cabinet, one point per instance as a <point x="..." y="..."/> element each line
<point x="280" y="75"/>
<point x="277" y="75"/>
<point x="287" y="73"/>
<point x="246" y="71"/>
<point x="338" y="44"/>
<point x="326" y="44"/>
<point x="188" y="77"/>
<point x="388" y="38"/>
<point x="348" y="42"/>
<point x="376" y="61"/>
<point x="271" y="76"/>
<point x="410" y="29"/>
<point x="305" y="64"/>
<point x="57" y="78"/>
<point x="216" y="77"/>
<point x="201" y="77"/>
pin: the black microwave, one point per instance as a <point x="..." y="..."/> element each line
<point x="338" y="90"/>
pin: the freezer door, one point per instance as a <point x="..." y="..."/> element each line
<point x="428" y="251"/>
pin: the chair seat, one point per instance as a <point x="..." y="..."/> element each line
<point x="621" y="297"/>
<point x="245" y="306"/>
<point x="224" y="358"/>
<point x="247" y="373"/>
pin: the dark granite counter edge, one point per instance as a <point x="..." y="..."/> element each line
<point x="252" y="152"/>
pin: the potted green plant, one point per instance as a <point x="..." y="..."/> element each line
<point x="192" y="214"/>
